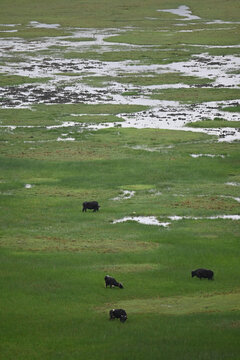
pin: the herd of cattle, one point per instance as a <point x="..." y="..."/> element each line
<point x="110" y="281"/>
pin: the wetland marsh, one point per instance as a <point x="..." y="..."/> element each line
<point x="135" y="105"/>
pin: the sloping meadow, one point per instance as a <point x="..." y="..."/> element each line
<point x="146" y="122"/>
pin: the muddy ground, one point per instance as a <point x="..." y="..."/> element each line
<point x="25" y="58"/>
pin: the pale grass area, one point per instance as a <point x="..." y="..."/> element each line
<point x="55" y="243"/>
<point x="83" y="194"/>
<point x="128" y="268"/>
<point x="181" y="305"/>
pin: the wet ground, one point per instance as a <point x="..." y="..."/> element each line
<point x="62" y="88"/>
<point x="152" y="220"/>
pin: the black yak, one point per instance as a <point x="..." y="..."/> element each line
<point x="92" y="205"/>
<point x="112" y="282"/>
<point x="203" y="273"/>
<point x="118" y="314"/>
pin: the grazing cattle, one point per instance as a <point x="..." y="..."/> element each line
<point x="92" y="205"/>
<point x="203" y="273"/>
<point x="118" y="314"/>
<point x="112" y="282"/>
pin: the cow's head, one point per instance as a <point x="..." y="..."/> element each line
<point x="111" y="313"/>
<point x="123" y="318"/>
<point x="121" y="286"/>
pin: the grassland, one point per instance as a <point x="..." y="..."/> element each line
<point x="53" y="257"/>
<point x="215" y="123"/>
<point x="8" y="80"/>
<point x="148" y="80"/>
<point x="108" y="14"/>
<point x="197" y="95"/>
<point x="165" y="38"/>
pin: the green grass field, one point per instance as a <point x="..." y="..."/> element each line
<point x="53" y="256"/>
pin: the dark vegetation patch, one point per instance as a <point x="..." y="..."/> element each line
<point x="209" y="203"/>
<point x="215" y="123"/>
<point x="146" y="80"/>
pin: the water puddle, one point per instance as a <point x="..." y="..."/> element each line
<point x="183" y="11"/>
<point x="65" y="139"/>
<point x="231" y="197"/>
<point x="216" y="68"/>
<point x="175" y="116"/>
<point x="229" y="135"/>
<point x="126" y="194"/>
<point x="11" y="25"/>
<point x="65" y="124"/>
<point x="37" y="141"/>
<point x="207" y="155"/>
<point x="213" y="22"/>
<point x="153" y="149"/>
<point x="167" y="115"/>
<point x="79" y="40"/>
<point x="36" y="24"/>
<point x="224" y="217"/>
<point x="232" y="183"/>
<point x="210" y="29"/>
<point x="8" y="31"/>
<point x="63" y="89"/>
<point x="146" y="220"/>
<point x="154" y="192"/>
<point x="152" y="220"/>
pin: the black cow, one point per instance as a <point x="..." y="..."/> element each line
<point x="118" y="314"/>
<point x="92" y="205"/>
<point x="112" y="282"/>
<point x="203" y="273"/>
